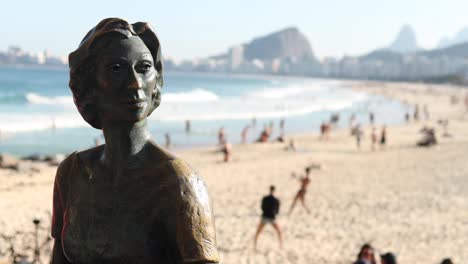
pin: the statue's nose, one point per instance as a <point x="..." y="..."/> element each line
<point x="135" y="81"/>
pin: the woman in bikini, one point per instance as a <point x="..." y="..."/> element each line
<point x="302" y="192"/>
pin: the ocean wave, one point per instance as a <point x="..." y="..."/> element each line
<point x="195" y="95"/>
<point x="286" y="92"/>
<point x="14" y="123"/>
<point x="34" y="98"/>
<point x="12" y="98"/>
<point x="245" y="109"/>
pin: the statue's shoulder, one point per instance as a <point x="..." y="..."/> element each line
<point x="67" y="164"/>
<point x="175" y="166"/>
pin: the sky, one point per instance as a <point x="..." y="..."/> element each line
<point x="199" y="28"/>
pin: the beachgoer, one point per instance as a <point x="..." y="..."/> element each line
<point x="428" y="138"/>
<point x="244" y="134"/>
<point x="371" y="118"/>
<point x="383" y="137"/>
<point x="358" y="134"/>
<point x="407" y="117"/>
<point x="221" y="136"/>
<point x="96" y="141"/>
<point x="271" y="127"/>
<point x="352" y="121"/>
<point x="373" y="138"/>
<point x="446" y="261"/>
<point x="281" y="126"/>
<point x="254" y="122"/>
<point x="300" y="195"/>
<point x="366" y="255"/>
<point x="129" y="200"/>
<point x="188" y="126"/>
<point x="270" y="209"/>
<point x="334" y="118"/>
<point x="388" y="258"/>
<point x="168" y="140"/>
<point x="416" y="113"/>
<point x="281" y="138"/>
<point x="227" y="151"/>
<point x="444" y="123"/>
<point x="265" y="135"/>
<point x="291" y="146"/>
<point x="325" y="131"/>
<point x="53" y="125"/>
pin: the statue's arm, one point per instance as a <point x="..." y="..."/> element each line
<point x="59" y="195"/>
<point x="195" y="229"/>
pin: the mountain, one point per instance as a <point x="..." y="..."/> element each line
<point x="383" y="55"/>
<point x="285" y="43"/>
<point x="405" y="41"/>
<point x="454" y="51"/>
<point x="460" y="37"/>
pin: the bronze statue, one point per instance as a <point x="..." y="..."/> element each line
<point x="129" y="200"/>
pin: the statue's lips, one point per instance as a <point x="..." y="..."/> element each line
<point x="135" y="103"/>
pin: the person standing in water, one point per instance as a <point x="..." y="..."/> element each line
<point x="302" y="192"/>
<point x="270" y="208"/>
<point x="168" y="140"/>
<point x="244" y="134"/>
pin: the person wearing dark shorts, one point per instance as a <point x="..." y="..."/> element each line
<point x="270" y="208"/>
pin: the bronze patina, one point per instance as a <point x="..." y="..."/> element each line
<point x="129" y="200"/>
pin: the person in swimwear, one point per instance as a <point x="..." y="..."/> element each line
<point x="302" y="192"/>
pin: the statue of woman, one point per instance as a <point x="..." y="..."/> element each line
<point x="129" y="200"/>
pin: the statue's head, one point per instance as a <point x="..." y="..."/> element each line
<point x="116" y="72"/>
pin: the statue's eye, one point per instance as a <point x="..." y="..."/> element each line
<point x="144" y="67"/>
<point x="116" y="67"/>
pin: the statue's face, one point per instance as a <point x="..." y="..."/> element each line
<point x="126" y="78"/>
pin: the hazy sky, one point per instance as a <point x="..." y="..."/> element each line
<point x="198" y="28"/>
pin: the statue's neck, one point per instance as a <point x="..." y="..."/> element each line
<point x="125" y="143"/>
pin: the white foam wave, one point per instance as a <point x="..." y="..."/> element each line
<point x="195" y="95"/>
<point x="33" y="98"/>
<point x="12" y="123"/>
<point x="199" y="104"/>
<point x="287" y="92"/>
<point x="242" y="108"/>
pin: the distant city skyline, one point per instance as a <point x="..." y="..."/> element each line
<point x="198" y="29"/>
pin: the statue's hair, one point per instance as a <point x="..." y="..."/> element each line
<point x="82" y="63"/>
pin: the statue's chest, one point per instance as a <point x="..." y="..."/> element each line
<point x="102" y="222"/>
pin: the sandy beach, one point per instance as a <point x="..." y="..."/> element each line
<point x="404" y="199"/>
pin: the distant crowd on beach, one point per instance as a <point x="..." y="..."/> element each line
<point x="367" y="255"/>
<point x="378" y="134"/>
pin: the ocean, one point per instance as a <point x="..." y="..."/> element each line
<point x="38" y="116"/>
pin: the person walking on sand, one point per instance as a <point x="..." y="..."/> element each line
<point x="302" y="192"/>
<point x="270" y="208"/>
<point x="373" y="138"/>
<point x="416" y="113"/>
<point x="358" y="134"/>
<point x="227" y="151"/>
<point x="383" y="137"/>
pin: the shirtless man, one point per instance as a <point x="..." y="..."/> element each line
<point x="302" y="192"/>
